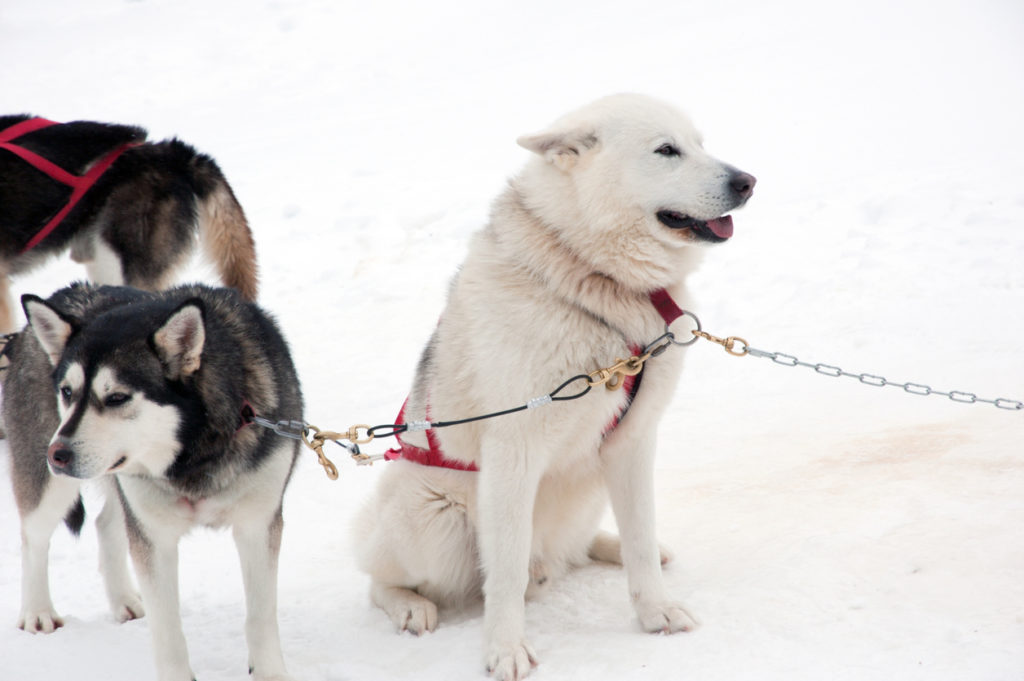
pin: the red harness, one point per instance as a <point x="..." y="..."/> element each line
<point x="79" y="184"/>
<point x="434" y="456"/>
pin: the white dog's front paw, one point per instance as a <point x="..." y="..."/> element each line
<point x="127" y="606"/>
<point x="511" y="663"/>
<point x="41" y="621"/>
<point x="407" y="609"/>
<point x="667" y="618"/>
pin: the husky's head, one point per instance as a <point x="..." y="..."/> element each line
<point x="115" y="380"/>
<point x="627" y="184"/>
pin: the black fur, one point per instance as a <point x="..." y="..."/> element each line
<point x="244" y="358"/>
<point x="148" y="184"/>
<point x="76" y="517"/>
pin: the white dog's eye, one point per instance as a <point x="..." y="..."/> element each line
<point x="65" y="392"/>
<point x="115" y="399"/>
<point x="668" y="150"/>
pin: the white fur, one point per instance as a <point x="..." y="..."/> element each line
<point x="37" y="612"/>
<point x="249" y="509"/>
<point x="555" y="286"/>
<point x="141" y="432"/>
<point x="105" y="266"/>
<point x="51" y="331"/>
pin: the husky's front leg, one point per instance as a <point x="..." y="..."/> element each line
<point x="37" y="526"/>
<point x="630" y="479"/>
<point x="259" y="546"/>
<point x="155" y="555"/>
<point x="125" y="601"/>
<point x="507" y="489"/>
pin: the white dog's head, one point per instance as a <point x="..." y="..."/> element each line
<point x="626" y="179"/>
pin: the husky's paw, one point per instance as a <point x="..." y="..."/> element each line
<point x="40" y="622"/>
<point x="666" y="618"/>
<point x="511" y="663"/>
<point x="127" y="607"/>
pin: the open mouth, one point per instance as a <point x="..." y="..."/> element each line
<point x="716" y="230"/>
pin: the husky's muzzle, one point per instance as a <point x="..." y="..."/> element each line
<point x="60" y="456"/>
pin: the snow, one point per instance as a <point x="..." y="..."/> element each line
<point x="822" y="529"/>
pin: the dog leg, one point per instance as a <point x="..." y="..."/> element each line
<point x="607" y="548"/>
<point x="507" y="490"/>
<point x="407" y="609"/>
<point x="630" y="479"/>
<point x="155" y="557"/>
<point x="105" y="267"/>
<point x="259" y="546"/>
<point x="125" y="602"/>
<point x="37" y="526"/>
<point x="6" y="308"/>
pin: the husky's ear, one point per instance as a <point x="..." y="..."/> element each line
<point x="179" y="342"/>
<point x="560" y="148"/>
<point x="51" y="328"/>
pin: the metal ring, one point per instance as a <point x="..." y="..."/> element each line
<point x="672" y="336"/>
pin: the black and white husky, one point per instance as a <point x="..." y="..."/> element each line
<point x="128" y="209"/>
<point x="154" y="394"/>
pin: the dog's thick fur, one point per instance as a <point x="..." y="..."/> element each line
<point x="147" y="392"/>
<point x="611" y="208"/>
<point x="136" y="225"/>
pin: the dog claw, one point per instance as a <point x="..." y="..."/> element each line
<point x="665" y="619"/>
<point x="41" y="623"/>
<point x="512" y="665"/>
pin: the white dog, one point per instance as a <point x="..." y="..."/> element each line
<point x="559" y="283"/>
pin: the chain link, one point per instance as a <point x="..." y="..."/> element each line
<point x="611" y="377"/>
<point x="880" y="381"/>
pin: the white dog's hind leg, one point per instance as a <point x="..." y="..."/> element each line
<point x="125" y="602"/>
<point x="607" y="548"/>
<point x="630" y="478"/>
<point x="507" y="490"/>
<point x="407" y="609"/>
<point x="37" y="612"/>
<point x="258" y="550"/>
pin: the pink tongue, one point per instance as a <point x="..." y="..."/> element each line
<point x="722" y="227"/>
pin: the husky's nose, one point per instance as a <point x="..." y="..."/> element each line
<point x="743" y="184"/>
<point x="60" y="454"/>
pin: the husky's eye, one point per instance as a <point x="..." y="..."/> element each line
<point x="65" y="392"/>
<point x="115" y="399"/>
<point x="668" y="150"/>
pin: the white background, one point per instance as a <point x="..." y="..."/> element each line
<point x="822" y="529"/>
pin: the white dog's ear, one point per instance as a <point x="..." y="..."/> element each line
<point x="51" y="328"/>
<point x="560" y="148"/>
<point x="179" y="342"/>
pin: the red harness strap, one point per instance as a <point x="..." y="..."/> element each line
<point x="434" y="456"/>
<point x="79" y="184"/>
<point x="426" y="457"/>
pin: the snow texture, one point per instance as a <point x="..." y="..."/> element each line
<point x="822" y="529"/>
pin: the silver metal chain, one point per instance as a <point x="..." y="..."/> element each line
<point x="738" y="347"/>
<point x="880" y="381"/>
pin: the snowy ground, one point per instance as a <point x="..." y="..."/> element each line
<point x="823" y="529"/>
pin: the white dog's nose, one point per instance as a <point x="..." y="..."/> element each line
<point x="743" y="184"/>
